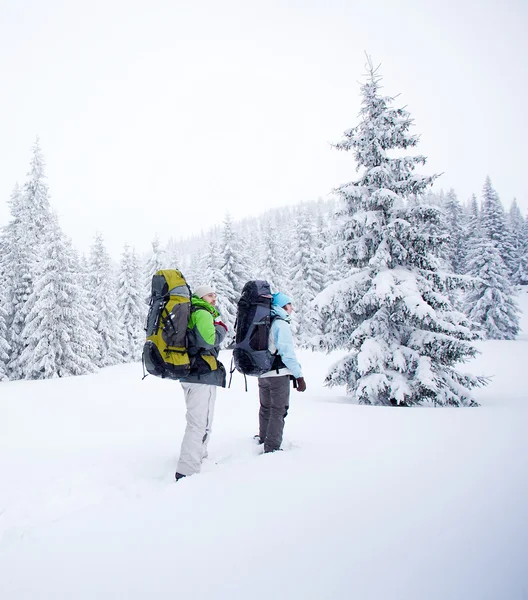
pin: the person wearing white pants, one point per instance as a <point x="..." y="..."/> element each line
<point x="200" y="400"/>
<point x="205" y="333"/>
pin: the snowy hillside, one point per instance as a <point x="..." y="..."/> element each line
<point x="365" y="503"/>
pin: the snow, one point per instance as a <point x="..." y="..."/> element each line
<point x="365" y="502"/>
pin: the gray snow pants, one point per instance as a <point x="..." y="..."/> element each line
<point x="200" y="401"/>
<point x="274" y="393"/>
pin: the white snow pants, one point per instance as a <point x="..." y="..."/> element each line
<point x="200" y="401"/>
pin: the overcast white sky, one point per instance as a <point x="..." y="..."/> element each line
<point x="160" y="116"/>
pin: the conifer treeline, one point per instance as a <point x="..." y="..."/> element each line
<point x="64" y="315"/>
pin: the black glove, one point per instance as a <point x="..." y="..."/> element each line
<point x="301" y="384"/>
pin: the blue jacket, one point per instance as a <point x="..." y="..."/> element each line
<point x="282" y="339"/>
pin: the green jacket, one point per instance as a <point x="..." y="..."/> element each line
<point x="204" y="338"/>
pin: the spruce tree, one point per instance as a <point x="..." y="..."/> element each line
<point x="490" y="303"/>
<point x="234" y="273"/>
<point x="455" y="224"/>
<point x="516" y="226"/>
<point x="308" y="276"/>
<point x="273" y="267"/>
<point x="5" y="277"/>
<point x="102" y="295"/>
<point x="392" y="310"/>
<point x="494" y="224"/>
<point x="53" y="321"/>
<point x="234" y="260"/>
<point x="23" y="243"/>
<point x="84" y="338"/>
<point x="520" y="277"/>
<point x="156" y="261"/>
<point x="132" y="310"/>
<point x="213" y="275"/>
<point x="4" y="344"/>
<point x="471" y="229"/>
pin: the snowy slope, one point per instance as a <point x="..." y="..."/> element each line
<point x="366" y="502"/>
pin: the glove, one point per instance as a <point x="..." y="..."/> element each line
<point x="221" y="324"/>
<point x="301" y="384"/>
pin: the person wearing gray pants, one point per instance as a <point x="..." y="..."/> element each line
<point x="274" y="386"/>
<point x="274" y="395"/>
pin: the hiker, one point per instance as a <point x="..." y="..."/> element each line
<point x="205" y="334"/>
<point x="274" y="386"/>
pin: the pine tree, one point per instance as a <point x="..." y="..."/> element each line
<point x="392" y="311"/>
<point x="213" y="275"/>
<point x="132" y="311"/>
<point x="494" y="225"/>
<point x="53" y="320"/>
<point x="84" y="338"/>
<point x="520" y="276"/>
<point x="472" y="227"/>
<point x="194" y="269"/>
<point x="234" y="261"/>
<point x="515" y="218"/>
<point x="234" y="272"/>
<point x="24" y="241"/>
<point x="36" y="195"/>
<point x="102" y="295"/>
<point x="274" y="268"/>
<point x="155" y="262"/>
<point x="308" y="278"/>
<point x="490" y="303"/>
<point x="455" y="224"/>
<point x="516" y="226"/>
<point x="5" y="277"/>
<point x="4" y="344"/>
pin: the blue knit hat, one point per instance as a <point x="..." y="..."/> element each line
<point x="281" y="299"/>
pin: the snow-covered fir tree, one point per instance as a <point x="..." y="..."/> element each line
<point x="273" y="268"/>
<point x="102" y="295"/>
<point x="213" y="275"/>
<point x="84" y="336"/>
<point x="36" y="195"/>
<point x="4" y="344"/>
<point x="53" y="323"/>
<point x="234" y="259"/>
<point x="392" y="311"/>
<point x="234" y="273"/>
<point x="308" y="275"/>
<point x="456" y="231"/>
<point x="490" y="303"/>
<point x="194" y="269"/>
<point x="156" y="261"/>
<point x="494" y="224"/>
<point x="24" y="241"/>
<point x="520" y="275"/>
<point x="131" y="308"/>
<point x="515" y="219"/>
<point x="516" y="226"/>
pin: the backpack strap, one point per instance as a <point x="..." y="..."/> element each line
<point x="277" y="361"/>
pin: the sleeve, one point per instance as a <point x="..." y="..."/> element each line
<point x="208" y="335"/>
<point x="283" y="339"/>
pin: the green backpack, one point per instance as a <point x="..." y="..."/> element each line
<point x="165" y="350"/>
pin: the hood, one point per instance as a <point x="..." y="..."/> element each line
<point x="199" y="303"/>
<point x="278" y="311"/>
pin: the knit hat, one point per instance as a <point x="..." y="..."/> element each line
<point x="281" y="299"/>
<point x="203" y="290"/>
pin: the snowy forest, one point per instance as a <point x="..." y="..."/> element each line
<point x="401" y="278"/>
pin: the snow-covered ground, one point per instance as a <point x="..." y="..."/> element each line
<point x="365" y="502"/>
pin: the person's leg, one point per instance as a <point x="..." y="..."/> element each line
<point x="209" y="424"/>
<point x="280" y="400"/>
<point x="198" y="401"/>
<point x="265" y="406"/>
